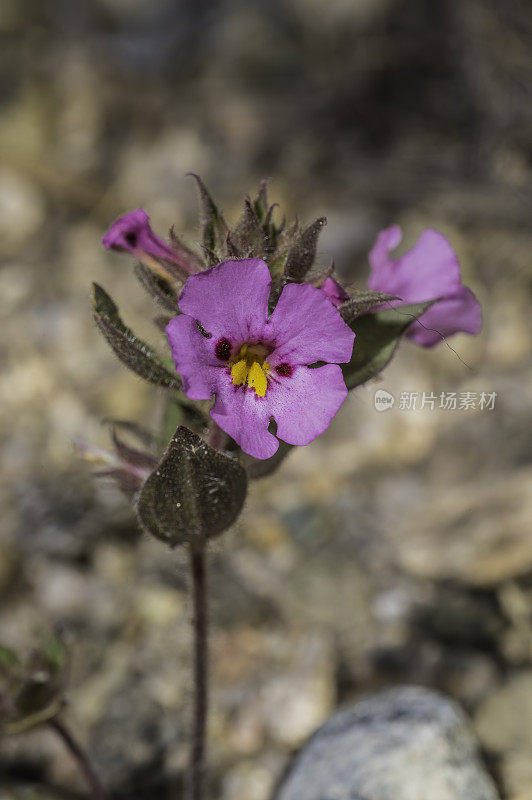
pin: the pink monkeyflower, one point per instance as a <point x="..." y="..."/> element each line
<point x="428" y="271"/>
<point x="133" y="233"/>
<point x="258" y="368"/>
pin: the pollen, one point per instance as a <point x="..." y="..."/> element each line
<point x="251" y="367"/>
<point x="239" y="372"/>
<point x="257" y="378"/>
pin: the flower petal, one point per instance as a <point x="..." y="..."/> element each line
<point x="306" y="328"/>
<point x="245" y="417"/>
<point x="336" y="293"/>
<point x="304" y="404"/>
<point x="133" y="233"/>
<point x="429" y="270"/>
<point x="230" y="299"/>
<point x="379" y="256"/>
<point x="460" y="313"/>
<point x="194" y="358"/>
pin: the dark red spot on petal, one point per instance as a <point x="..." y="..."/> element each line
<point x="284" y="370"/>
<point x="223" y="349"/>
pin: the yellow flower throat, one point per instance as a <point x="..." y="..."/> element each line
<point x="249" y="366"/>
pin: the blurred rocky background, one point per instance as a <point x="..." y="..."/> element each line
<point x="398" y="547"/>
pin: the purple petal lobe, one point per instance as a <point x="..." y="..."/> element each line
<point x="460" y="313"/>
<point x="133" y="233"/>
<point x="194" y="358"/>
<point x="336" y="293"/>
<point x="245" y="417"/>
<point x="382" y="265"/>
<point x="230" y="299"/>
<point x="429" y="271"/>
<point x="304" y="404"/>
<point x="306" y="328"/>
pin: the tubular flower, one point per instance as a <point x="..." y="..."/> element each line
<point x="258" y="368"/>
<point x="133" y="233"/>
<point x="429" y="271"/>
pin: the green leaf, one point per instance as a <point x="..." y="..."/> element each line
<point x="185" y="255"/>
<point x="271" y="235"/>
<point x="195" y="492"/>
<point x="31" y="690"/>
<point x="282" y="241"/>
<point x="362" y="302"/>
<point x="247" y="237"/>
<point x="377" y="336"/>
<point x="158" y="288"/>
<point x="215" y="229"/>
<point x="260" y="203"/>
<point x="132" y="351"/>
<point x="180" y="410"/>
<point x="303" y="252"/>
<point x="131" y="455"/>
<point x="139" y="432"/>
<point x="25" y="722"/>
<point x="55" y="654"/>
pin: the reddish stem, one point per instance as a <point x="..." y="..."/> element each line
<point x="199" y="721"/>
<point x="96" y="787"/>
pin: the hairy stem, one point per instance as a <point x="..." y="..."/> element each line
<point x="199" y="720"/>
<point x="97" y="790"/>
